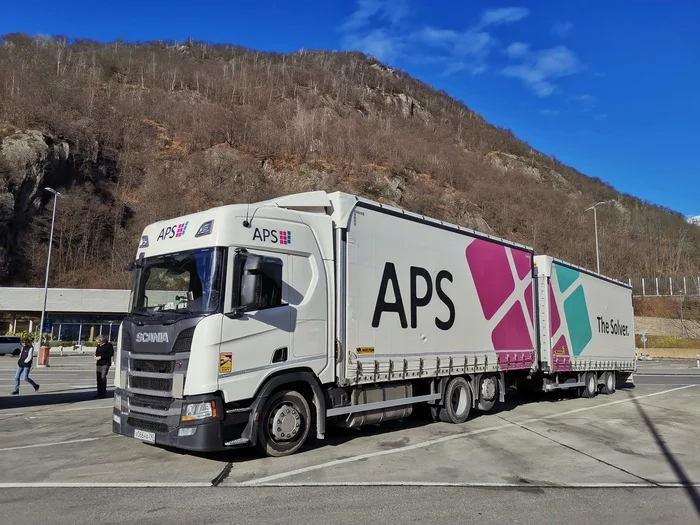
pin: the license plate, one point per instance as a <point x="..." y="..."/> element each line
<point x="150" y="437"/>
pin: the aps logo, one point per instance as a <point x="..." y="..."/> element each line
<point x="173" y="231"/>
<point x="273" y="236"/>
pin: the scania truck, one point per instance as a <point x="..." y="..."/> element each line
<point x="263" y="324"/>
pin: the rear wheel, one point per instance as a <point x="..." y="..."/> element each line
<point x="458" y="401"/>
<point x="609" y="385"/>
<point x="488" y="393"/>
<point x="284" y="425"/>
<point x="591" y="386"/>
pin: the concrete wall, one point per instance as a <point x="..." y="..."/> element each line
<point x="671" y="353"/>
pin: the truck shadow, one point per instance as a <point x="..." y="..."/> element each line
<point x="50" y="398"/>
<point x="685" y="482"/>
<point x="390" y="434"/>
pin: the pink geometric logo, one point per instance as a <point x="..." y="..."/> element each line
<point x="493" y="278"/>
<point x="512" y="332"/>
<point x="503" y="281"/>
<point x="553" y="312"/>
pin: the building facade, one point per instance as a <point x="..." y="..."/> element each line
<point x="71" y="314"/>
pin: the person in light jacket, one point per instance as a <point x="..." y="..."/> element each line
<point x="24" y="364"/>
<point x="103" y="359"/>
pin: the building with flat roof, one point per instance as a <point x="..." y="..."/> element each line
<point x="72" y="314"/>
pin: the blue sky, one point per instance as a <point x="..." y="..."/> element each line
<point x="611" y="88"/>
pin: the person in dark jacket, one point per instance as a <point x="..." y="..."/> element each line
<point x="103" y="359"/>
<point x="24" y="364"/>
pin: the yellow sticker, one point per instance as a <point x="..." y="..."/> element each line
<point x="365" y="350"/>
<point x="225" y="362"/>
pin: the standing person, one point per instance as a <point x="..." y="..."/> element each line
<point x="24" y="363"/>
<point x="103" y="357"/>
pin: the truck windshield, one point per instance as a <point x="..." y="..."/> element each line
<point x="182" y="283"/>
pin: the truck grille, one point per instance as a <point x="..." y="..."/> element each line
<point x="154" y="403"/>
<point x="151" y="383"/>
<point x="148" y="426"/>
<point x="183" y="343"/>
<point x="153" y="366"/>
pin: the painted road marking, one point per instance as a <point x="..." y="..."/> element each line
<point x="84" y="440"/>
<point x="192" y="484"/>
<point x="336" y="462"/>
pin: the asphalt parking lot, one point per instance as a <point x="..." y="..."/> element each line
<point x="634" y="455"/>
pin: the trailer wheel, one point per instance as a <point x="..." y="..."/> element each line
<point x="609" y="386"/>
<point x="591" y="386"/>
<point x="458" y="401"/>
<point x="488" y="393"/>
<point x="284" y="424"/>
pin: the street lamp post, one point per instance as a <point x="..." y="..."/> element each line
<point x="595" y="222"/>
<point x="48" y="264"/>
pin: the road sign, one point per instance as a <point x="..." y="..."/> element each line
<point x="47" y="327"/>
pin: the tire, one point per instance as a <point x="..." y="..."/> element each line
<point x="488" y="393"/>
<point x="458" y="401"/>
<point x="290" y="410"/>
<point x="16" y="352"/>
<point x="609" y="385"/>
<point x="591" y="387"/>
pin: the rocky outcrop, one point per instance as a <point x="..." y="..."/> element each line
<point x="29" y="161"/>
<point x="408" y="106"/>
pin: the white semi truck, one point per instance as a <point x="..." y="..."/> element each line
<point x="261" y="324"/>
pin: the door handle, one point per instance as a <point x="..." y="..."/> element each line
<point x="280" y="355"/>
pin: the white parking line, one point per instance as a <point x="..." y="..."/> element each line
<point x="84" y="440"/>
<point x="274" y="477"/>
<point x="193" y="484"/>
<point x="136" y="484"/>
<point x="471" y="485"/>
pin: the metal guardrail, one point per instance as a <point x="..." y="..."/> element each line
<point x="664" y="286"/>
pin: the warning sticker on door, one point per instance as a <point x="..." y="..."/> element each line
<point x="225" y="362"/>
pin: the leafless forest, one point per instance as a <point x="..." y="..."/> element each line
<point x="133" y="133"/>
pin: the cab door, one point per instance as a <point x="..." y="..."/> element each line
<point x="257" y="342"/>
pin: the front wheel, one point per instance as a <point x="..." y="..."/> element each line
<point x="284" y="424"/>
<point x="15" y="352"/>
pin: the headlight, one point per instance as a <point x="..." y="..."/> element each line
<point x="199" y="411"/>
<point x="118" y="402"/>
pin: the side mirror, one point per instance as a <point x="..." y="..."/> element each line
<point x="251" y="287"/>
<point x="248" y="282"/>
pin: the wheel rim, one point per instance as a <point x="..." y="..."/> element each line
<point x="459" y="400"/>
<point x="285" y="422"/>
<point x="488" y="388"/>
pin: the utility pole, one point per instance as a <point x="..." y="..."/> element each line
<point x="56" y="195"/>
<point x="595" y="223"/>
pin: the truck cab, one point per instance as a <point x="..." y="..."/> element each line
<point x="226" y="305"/>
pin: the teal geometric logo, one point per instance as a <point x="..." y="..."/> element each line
<point x="566" y="277"/>
<point x="575" y="310"/>
<point x="577" y="320"/>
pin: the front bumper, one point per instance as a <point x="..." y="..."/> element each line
<point x="211" y="435"/>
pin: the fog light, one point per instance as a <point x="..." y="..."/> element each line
<point x="189" y="431"/>
<point x="117" y="419"/>
<point x="197" y="411"/>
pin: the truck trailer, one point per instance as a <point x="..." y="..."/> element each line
<point x="261" y="324"/>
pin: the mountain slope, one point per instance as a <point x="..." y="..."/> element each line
<point x="133" y="133"/>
